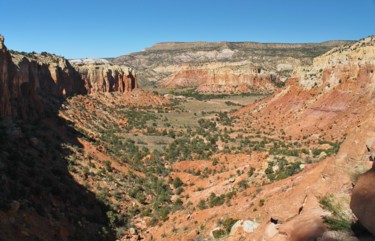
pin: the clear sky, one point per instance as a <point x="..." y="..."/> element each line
<point x="109" y="28"/>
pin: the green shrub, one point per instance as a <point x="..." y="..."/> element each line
<point x="243" y="184"/>
<point x="339" y="220"/>
<point x="220" y="233"/>
<point x="216" y="200"/>
<point x="251" y="172"/>
<point x="177" y="182"/>
<point x="202" y="204"/>
<point x="228" y="223"/>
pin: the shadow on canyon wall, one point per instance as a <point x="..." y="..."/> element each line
<point x="39" y="198"/>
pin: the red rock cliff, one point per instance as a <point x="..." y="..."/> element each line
<point x="101" y="76"/>
<point x="30" y="81"/>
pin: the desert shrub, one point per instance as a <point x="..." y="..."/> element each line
<point x="216" y="200"/>
<point x="220" y="233"/>
<point x="177" y="205"/>
<point x="202" y="204"/>
<point x="177" y="182"/>
<point x="285" y="169"/>
<point x="226" y="227"/>
<point x="251" y="172"/>
<point x="339" y="218"/>
<point x="228" y="223"/>
<point x="243" y="184"/>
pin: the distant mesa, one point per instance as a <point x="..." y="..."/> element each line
<point x="88" y="61"/>
<point x="231" y="67"/>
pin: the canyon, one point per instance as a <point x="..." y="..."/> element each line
<point x="269" y="143"/>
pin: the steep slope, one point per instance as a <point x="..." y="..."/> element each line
<point x="29" y="79"/>
<point x="326" y="99"/>
<point x="102" y="76"/>
<point x="222" y="67"/>
<point x="40" y="200"/>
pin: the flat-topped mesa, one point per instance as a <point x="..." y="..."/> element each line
<point x="239" y="45"/>
<point x="203" y="65"/>
<point x="101" y="76"/>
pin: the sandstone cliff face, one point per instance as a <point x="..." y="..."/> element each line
<point x="102" y="76"/>
<point x="28" y="80"/>
<point x="224" y="66"/>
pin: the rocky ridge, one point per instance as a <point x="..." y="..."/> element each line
<point x="226" y="66"/>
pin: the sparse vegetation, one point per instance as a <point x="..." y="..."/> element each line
<point x="148" y="141"/>
<point x="339" y="219"/>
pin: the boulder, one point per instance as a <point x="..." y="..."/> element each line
<point x="270" y="231"/>
<point x="363" y="200"/>
<point x="337" y="236"/>
<point x="246" y="226"/>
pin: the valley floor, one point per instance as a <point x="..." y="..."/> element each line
<point x="182" y="168"/>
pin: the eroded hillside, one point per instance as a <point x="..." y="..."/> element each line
<point x="223" y="67"/>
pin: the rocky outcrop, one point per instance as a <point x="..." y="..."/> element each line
<point x="221" y="66"/>
<point x="101" y="76"/>
<point x="29" y="81"/>
<point x="363" y="200"/>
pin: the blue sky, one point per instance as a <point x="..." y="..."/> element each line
<point x="109" y="28"/>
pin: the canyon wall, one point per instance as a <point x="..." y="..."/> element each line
<point x="29" y="79"/>
<point x="29" y="82"/>
<point x="102" y="76"/>
<point x="222" y="66"/>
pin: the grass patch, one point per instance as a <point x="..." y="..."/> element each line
<point x="340" y="219"/>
